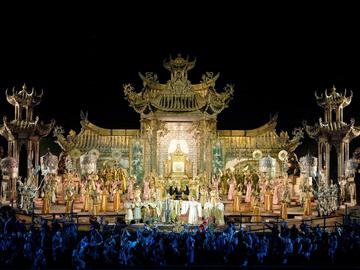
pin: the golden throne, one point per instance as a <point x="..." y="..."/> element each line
<point x="178" y="164"/>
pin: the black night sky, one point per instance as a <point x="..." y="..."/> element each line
<point x="276" y="59"/>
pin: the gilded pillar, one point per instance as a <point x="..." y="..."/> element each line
<point x="347" y="155"/>
<point x="327" y="161"/>
<point x="154" y="160"/>
<point x="320" y="156"/>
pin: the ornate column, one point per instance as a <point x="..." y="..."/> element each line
<point x="146" y="136"/>
<point x="154" y="138"/>
<point x="327" y="161"/>
<point x="320" y="156"/>
<point x="341" y="160"/>
<point x="347" y="154"/>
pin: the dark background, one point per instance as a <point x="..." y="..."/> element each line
<point x="276" y="56"/>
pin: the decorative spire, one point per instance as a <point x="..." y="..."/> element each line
<point x="179" y="67"/>
<point x="335" y="100"/>
<point x="23" y="98"/>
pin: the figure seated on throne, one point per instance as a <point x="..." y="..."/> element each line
<point x="180" y="191"/>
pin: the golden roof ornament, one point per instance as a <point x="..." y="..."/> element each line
<point x="23" y="97"/>
<point x="334" y="100"/>
<point x="178" y="94"/>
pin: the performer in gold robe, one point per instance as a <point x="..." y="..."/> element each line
<point x="237" y="201"/>
<point x="307" y="204"/>
<point x="69" y="197"/>
<point x="283" y="211"/>
<point x="256" y="210"/>
<point x="96" y="204"/>
<point x="104" y="198"/>
<point x="46" y="199"/>
<point x="117" y="198"/>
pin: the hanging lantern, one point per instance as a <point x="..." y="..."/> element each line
<point x="283" y="155"/>
<point x="9" y="166"/>
<point x="49" y="163"/>
<point x="75" y="153"/>
<point x="257" y="154"/>
<point x="350" y="166"/>
<point x="268" y="165"/>
<point x="308" y="165"/>
<point x="88" y="163"/>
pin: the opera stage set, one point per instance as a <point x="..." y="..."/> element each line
<point x="178" y="168"/>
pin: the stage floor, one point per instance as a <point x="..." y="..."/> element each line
<point x="243" y="219"/>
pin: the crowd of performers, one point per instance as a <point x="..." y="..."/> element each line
<point x="63" y="245"/>
<point x="190" y="200"/>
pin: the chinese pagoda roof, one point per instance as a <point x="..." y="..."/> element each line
<point x="178" y="95"/>
<point x="334" y="100"/>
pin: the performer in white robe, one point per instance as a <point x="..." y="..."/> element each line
<point x="219" y="214"/>
<point x="208" y="209"/>
<point x="194" y="212"/>
<point x="137" y="210"/>
<point x="352" y="189"/>
<point x="129" y="216"/>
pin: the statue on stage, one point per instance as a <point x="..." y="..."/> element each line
<point x="352" y="189"/>
<point x="20" y="188"/>
<point x="30" y="191"/>
<point x="343" y="187"/>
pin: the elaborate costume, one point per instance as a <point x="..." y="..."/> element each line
<point x="237" y="201"/>
<point x="195" y="212"/>
<point x="276" y="187"/>
<point x="307" y="204"/>
<point x="129" y="216"/>
<point x="130" y="188"/>
<point x="232" y="186"/>
<point x="248" y="189"/>
<point x="146" y="192"/>
<point x="343" y="184"/>
<point x="104" y="198"/>
<point x="203" y="195"/>
<point x="117" y="198"/>
<point x="268" y="197"/>
<point x="69" y="196"/>
<point x="352" y="189"/>
<point x="47" y="198"/>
